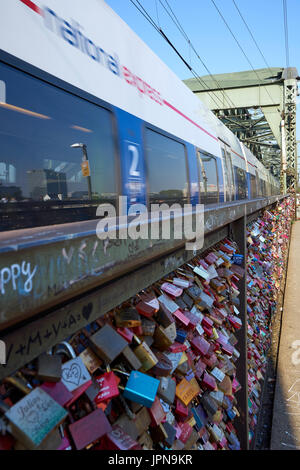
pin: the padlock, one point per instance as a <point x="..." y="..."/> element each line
<point x="128" y="318"/>
<point x="171" y="289"/>
<point x="19" y="383"/>
<point x="174" y="358"/>
<point x="156" y="412"/>
<point x="211" y="258"/>
<point x="90" y="360"/>
<point x="140" y="387"/>
<point x="164" y="366"/>
<point x="49" y="367"/>
<point x="148" y="304"/>
<point x="92" y="391"/>
<point x="131" y="359"/>
<point x="171" y="434"/>
<point x="194" y="320"/>
<point x="161" y="339"/>
<point x="218" y="396"/>
<point x="34" y="417"/>
<point x="179" y="315"/>
<point x="200" y="416"/>
<point x="177" y="348"/>
<point x="64" y="348"/>
<point x="186" y="392"/>
<point x="148" y="327"/>
<point x="185" y="432"/>
<point x="180" y="282"/>
<point x="167" y="389"/>
<point x="187" y="299"/>
<point x="145" y="355"/>
<point x="226" y="386"/>
<point x="209" y="404"/>
<point x="181" y="304"/>
<point x="89" y="429"/>
<point x="168" y="303"/>
<point x="200" y="345"/>
<point x="107" y="344"/>
<point x="126" y="334"/>
<point x="183" y="366"/>
<point x="210" y="360"/>
<point x="58" y="391"/>
<point x="108" y="383"/>
<point x="191" y="442"/>
<point x="164" y="316"/>
<point x="202" y="272"/>
<point x="181" y="410"/>
<point x="75" y="375"/>
<point x="171" y="331"/>
<point x="142" y="420"/>
<point x="218" y="374"/>
<point x="181" y="336"/>
<point x="128" y="425"/>
<point x="117" y="439"/>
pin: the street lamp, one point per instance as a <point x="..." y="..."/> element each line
<point x="85" y="159"/>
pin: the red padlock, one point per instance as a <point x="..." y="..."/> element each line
<point x="108" y="383"/>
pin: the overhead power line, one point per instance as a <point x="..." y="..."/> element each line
<point x="175" y="20"/>
<point x="251" y="34"/>
<point x="242" y="50"/>
<point x="148" y="17"/>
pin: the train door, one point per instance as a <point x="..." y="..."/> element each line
<point x="228" y="173"/>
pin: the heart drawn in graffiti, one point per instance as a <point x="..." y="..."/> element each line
<point x="33" y="417"/>
<point x="87" y="310"/>
<point x="72" y="374"/>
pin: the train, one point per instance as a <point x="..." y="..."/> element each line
<point x="88" y="113"/>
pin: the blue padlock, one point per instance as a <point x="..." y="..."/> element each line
<point x="140" y="388"/>
<point x="237" y="259"/>
<point x="181" y="336"/>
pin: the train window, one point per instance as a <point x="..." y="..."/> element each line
<point x="166" y="169"/>
<point x="42" y="181"/>
<point x="209" y="188"/>
<point x="241" y="183"/>
<point x="253" y="186"/>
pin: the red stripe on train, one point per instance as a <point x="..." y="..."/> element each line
<point x="32" y="5"/>
<point x="188" y="119"/>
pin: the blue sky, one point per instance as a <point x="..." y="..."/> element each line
<point x="210" y="37"/>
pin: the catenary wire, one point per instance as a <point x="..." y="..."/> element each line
<point x="146" y="15"/>
<point x="242" y="50"/>
<point x="252" y="36"/>
<point x="180" y="28"/>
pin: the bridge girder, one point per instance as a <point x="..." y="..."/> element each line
<point x="260" y="108"/>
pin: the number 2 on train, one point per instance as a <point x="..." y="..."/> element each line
<point x="133" y="151"/>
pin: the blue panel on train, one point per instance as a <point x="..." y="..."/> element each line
<point x="250" y="196"/>
<point x="132" y="162"/>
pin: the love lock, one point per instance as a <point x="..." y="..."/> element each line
<point x="64" y="348"/>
